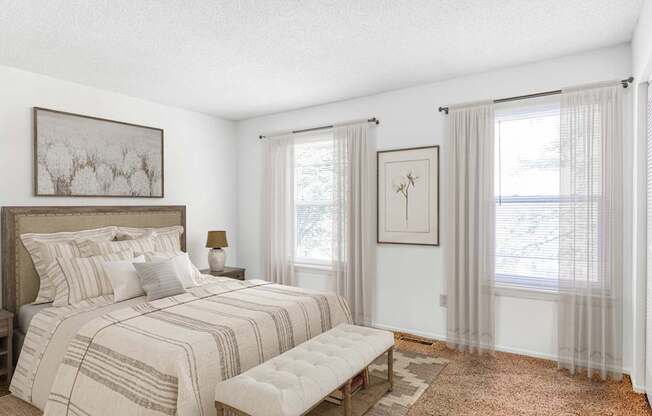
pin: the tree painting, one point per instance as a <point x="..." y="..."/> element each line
<point x="402" y="185"/>
<point x="79" y="156"/>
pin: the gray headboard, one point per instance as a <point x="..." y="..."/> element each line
<point x="20" y="283"/>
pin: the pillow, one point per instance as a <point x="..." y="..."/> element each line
<point x="45" y="248"/>
<point x="97" y="248"/>
<point x="160" y="279"/>
<point x="195" y="276"/>
<point x="165" y="239"/>
<point x="183" y="266"/>
<point x="79" y="278"/>
<point x="124" y="278"/>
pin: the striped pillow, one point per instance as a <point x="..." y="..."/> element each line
<point x="97" y="248"/>
<point x="160" y="279"/>
<point x="165" y="239"/>
<point x="45" y="248"/>
<point x="79" y="278"/>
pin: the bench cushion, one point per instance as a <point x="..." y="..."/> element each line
<point x="293" y="382"/>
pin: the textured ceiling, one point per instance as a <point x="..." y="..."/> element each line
<point x="243" y="58"/>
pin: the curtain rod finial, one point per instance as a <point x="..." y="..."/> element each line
<point x="627" y="81"/>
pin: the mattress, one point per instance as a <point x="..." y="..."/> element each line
<point x="27" y="312"/>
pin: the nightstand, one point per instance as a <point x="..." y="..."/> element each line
<point x="6" y="344"/>
<point x="232" y="272"/>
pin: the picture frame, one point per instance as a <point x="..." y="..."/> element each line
<point x="408" y="188"/>
<point x="77" y="155"/>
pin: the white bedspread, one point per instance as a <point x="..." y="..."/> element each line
<point x="165" y="356"/>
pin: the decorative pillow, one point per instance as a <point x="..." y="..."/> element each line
<point x="160" y="279"/>
<point x="79" y="278"/>
<point x="124" y="278"/>
<point x="195" y="275"/>
<point x="182" y="264"/>
<point x="45" y="248"/>
<point x="165" y="239"/>
<point x="97" y="248"/>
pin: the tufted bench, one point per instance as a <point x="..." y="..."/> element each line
<point x="298" y="380"/>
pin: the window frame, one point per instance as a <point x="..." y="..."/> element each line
<point x="513" y="284"/>
<point x="299" y="261"/>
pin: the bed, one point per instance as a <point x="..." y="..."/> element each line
<point x="134" y="357"/>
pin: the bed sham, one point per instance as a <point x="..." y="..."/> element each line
<point x="80" y="278"/>
<point x="43" y="248"/>
<point x="166" y="238"/>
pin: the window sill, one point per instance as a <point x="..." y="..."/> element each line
<point x="313" y="267"/>
<point x="526" y="293"/>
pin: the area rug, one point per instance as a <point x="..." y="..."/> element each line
<point x="413" y="374"/>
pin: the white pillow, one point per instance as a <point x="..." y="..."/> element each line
<point x="124" y="278"/>
<point x="182" y="265"/>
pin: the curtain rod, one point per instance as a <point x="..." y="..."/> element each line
<point x="368" y="120"/>
<point x="625" y="83"/>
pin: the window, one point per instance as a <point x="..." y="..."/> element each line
<point x="527" y="195"/>
<point x="314" y="200"/>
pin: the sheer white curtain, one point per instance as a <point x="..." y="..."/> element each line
<point x="591" y="231"/>
<point x="279" y="210"/>
<point x="648" y="321"/>
<point x="470" y="226"/>
<point x="353" y="238"/>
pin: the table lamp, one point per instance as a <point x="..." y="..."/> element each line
<point x="216" y="240"/>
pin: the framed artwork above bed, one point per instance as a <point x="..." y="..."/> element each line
<point x="408" y="196"/>
<point x="84" y="156"/>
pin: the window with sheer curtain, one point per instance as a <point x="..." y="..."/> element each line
<point x="527" y="191"/>
<point x="314" y="202"/>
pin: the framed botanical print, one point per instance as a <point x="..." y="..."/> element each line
<point x="77" y="155"/>
<point x="408" y="196"/>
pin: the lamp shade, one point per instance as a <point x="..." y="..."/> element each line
<point x="216" y="239"/>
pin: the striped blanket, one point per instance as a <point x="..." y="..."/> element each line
<point x="165" y="357"/>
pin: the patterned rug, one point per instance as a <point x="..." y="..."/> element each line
<point x="413" y="374"/>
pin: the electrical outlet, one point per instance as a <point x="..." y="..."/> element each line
<point x="443" y="301"/>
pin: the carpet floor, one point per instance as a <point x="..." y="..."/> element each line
<point x="505" y="385"/>
<point x="511" y="384"/>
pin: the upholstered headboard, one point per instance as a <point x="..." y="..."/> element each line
<point x="20" y="282"/>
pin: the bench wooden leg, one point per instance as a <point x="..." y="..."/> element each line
<point x="365" y="378"/>
<point x="346" y="406"/>
<point x="390" y="368"/>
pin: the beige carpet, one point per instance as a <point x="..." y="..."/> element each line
<point x="505" y="385"/>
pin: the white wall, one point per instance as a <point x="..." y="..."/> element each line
<point x="411" y="278"/>
<point x="200" y="152"/>
<point x="642" y="72"/>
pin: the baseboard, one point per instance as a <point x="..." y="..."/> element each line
<point x="638" y="388"/>
<point x="501" y="348"/>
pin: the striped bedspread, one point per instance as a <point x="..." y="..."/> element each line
<point x="165" y="357"/>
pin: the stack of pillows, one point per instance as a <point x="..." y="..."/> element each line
<point x="120" y="261"/>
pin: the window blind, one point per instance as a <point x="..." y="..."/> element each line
<point x="314" y="199"/>
<point x="527" y="194"/>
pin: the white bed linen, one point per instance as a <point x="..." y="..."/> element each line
<point x="43" y="380"/>
<point x="43" y="351"/>
<point x="40" y="360"/>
